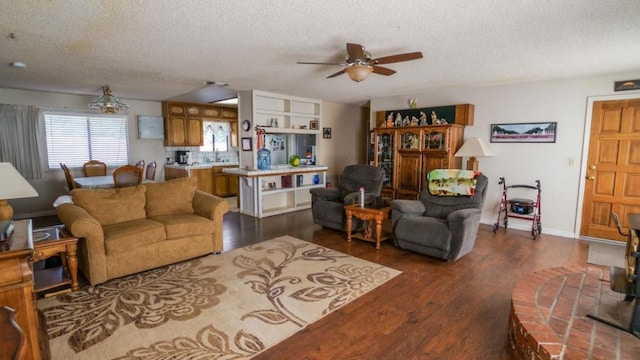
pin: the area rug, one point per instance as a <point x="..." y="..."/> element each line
<point x="228" y="306"/>
<point x="606" y="254"/>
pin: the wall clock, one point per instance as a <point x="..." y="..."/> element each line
<point x="246" y="125"/>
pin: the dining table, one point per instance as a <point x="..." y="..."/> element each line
<point x="98" y="182"/>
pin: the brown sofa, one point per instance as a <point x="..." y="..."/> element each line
<point x="128" y="230"/>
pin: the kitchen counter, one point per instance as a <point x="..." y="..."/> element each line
<point x="279" y="190"/>
<point x="200" y="166"/>
<point x="276" y="170"/>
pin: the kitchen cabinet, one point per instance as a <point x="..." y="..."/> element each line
<point x="205" y="179"/>
<point x="211" y="180"/>
<point x="407" y="154"/>
<point x="183" y="122"/>
<point x="224" y="184"/>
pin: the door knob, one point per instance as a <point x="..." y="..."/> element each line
<point x="591" y="177"/>
<point x="592" y="167"/>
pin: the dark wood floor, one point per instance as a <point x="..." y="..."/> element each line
<point x="433" y="310"/>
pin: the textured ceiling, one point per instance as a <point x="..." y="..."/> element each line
<point x="165" y="49"/>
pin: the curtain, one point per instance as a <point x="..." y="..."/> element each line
<point x="20" y="138"/>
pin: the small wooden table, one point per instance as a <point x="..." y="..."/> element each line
<point x="367" y="214"/>
<point x="51" y="241"/>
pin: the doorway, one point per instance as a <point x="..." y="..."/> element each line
<point x="612" y="175"/>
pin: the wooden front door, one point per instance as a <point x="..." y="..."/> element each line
<point x="613" y="168"/>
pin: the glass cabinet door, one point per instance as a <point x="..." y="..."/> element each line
<point x="435" y="140"/>
<point x="385" y="155"/>
<point x="409" y="139"/>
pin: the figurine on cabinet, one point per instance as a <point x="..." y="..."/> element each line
<point x="398" y="120"/>
<point x="390" y="120"/>
<point x="423" y="119"/>
<point x="414" y="121"/>
<point x="406" y="121"/>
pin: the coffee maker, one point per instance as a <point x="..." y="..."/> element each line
<point x="182" y="157"/>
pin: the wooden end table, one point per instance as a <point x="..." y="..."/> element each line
<point x="368" y="215"/>
<point x="48" y="242"/>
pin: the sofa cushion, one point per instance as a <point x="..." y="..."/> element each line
<point x="112" y="206"/>
<point x="182" y="225"/>
<point x="134" y="234"/>
<point x="171" y="197"/>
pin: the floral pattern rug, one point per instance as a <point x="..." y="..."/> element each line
<point x="228" y="306"/>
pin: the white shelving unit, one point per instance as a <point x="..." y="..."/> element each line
<point x="273" y="192"/>
<point x="293" y="115"/>
<point x="262" y="192"/>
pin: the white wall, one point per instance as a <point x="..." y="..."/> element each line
<point x="348" y="133"/>
<point x="564" y="101"/>
<point x="52" y="184"/>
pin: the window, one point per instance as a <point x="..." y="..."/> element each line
<point x="216" y="136"/>
<point x="75" y="138"/>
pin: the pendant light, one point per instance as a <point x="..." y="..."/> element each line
<point x="107" y="103"/>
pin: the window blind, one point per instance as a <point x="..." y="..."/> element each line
<point x="75" y="138"/>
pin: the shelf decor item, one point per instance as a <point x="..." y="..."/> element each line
<point x="264" y="155"/>
<point x="294" y="160"/>
<point x="313" y="124"/>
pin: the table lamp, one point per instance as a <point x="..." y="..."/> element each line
<point x="473" y="148"/>
<point x="12" y="186"/>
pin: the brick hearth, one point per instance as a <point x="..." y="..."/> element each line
<point x="548" y="316"/>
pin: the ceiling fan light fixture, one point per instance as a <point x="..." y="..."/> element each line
<point x="107" y="103"/>
<point x="358" y="72"/>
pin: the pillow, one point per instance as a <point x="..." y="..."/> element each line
<point x="171" y="197"/>
<point x="112" y="206"/>
<point x="452" y="182"/>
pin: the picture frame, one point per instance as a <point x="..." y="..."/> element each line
<point x="313" y="124"/>
<point x="538" y="132"/>
<point x="626" y="85"/>
<point x="150" y="127"/>
<point x="326" y="133"/>
<point x="246" y="144"/>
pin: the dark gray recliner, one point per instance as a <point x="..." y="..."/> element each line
<point x="327" y="205"/>
<point x="444" y="227"/>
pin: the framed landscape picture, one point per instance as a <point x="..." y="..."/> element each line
<point x="543" y="132"/>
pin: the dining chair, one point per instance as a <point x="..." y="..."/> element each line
<point x="94" y="168"/>
<point x="140" y="165"/>
<point x="69" y="176"/>
<point x="127" y="175"/>
<point x="151" y="171"/>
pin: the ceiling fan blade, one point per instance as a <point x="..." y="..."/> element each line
<point x="398" y="58"/>
<point x="355" y="51"/>
<point x="383" y="70"/>
<point x="336" y="74"/>
<point x="319" y="63"/>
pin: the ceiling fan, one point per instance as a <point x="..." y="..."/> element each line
<point x="359" y="63"/>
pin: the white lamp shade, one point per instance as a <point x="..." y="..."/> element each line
<point x="13" y="185"/>
<point x="474" y="147"/>
<point x="357" y="72"/>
